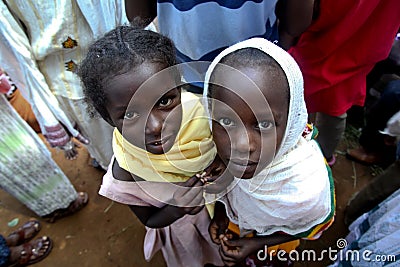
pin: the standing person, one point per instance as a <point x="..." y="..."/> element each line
<point x="335" y="54"/>
<point x="202" y="29"/>
<point x="283" y="189"/>
<point x="161" y="140"/>
<point x="28" y="172"/>
<point x="41" y="44"/>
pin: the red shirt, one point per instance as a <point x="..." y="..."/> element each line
<point x="341" y="47"/>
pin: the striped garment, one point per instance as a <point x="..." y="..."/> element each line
<point x="202" y="29"/>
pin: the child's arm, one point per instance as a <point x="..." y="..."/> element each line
<point x="219" y="223"/>
<point x="235" y="251"/>
<point x="187" y="199"/>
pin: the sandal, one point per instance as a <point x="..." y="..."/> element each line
<point x="25" y="233"/>
<point x="34" y="251"/>
<point x="331" y="161"/>
<point x="75" y="206"/>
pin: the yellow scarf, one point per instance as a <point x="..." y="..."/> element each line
<point x="192" y="151"/>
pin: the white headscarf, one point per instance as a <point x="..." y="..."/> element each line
<point x="293" y="193"/>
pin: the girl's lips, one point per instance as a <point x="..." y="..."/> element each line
<point x="241" y="168"/>
<point x="159" y="142"/>
<point x="243" y="162"/>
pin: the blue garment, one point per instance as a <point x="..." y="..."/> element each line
<point x="4" y="252"/>
<point x="377" y="118"/>
<point x="200" y="30"/>
<point x="374" y="237"/>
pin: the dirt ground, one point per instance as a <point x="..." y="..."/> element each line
<point x="107" y="234"/>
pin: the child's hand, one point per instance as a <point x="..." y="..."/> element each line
<point x="235" y="251"/>
<point x="215" y="177"/>
<point x="70" y="151"/>
<point x="218" y="228"/>
<point x="219" y="224"/>
<point x="189" y="196"/>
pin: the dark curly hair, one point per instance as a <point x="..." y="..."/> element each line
<point x="117" y="52"/>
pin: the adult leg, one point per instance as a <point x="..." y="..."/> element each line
<point x="331" y="131"/>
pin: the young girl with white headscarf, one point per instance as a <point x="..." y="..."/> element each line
<point x="283" y="189"/>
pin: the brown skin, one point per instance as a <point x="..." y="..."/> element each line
<point x="157" y="119"/>
<point x="238" y="132"/>
<point x="294" y="18"/>
<point x="145" y="9"/>
<point x="252" y="137"/>
<point x="137" y="113"/>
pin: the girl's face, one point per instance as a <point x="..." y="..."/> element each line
<point x="246" y="131"/>
<point x="144" y="118"/>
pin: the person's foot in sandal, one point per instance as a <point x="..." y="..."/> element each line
<point x="23" y="234"/>
<point x="75" y="206"/>
<point x="30" y="252"/>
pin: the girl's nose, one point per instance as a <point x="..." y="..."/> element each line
<point x="243" y="141"/>
<point x="154" y="124"/>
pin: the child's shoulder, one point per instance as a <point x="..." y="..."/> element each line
<point x="123" y="175"/>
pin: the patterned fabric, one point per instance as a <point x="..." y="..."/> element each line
<point x="57" y="136"/>
<point x="43" y="64"/>
<point x="27" y="170"/>
<point x="4" y="252"/>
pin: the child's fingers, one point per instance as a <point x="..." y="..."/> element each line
<point x="237" y="243"/>
<point x="226" y="258"/>
<point x="214" y="188"/>
<point x="229" y="250"/>
<point x="192" y="181"/>
<point x="190" y="197"/>
<point x="214" y="233"/>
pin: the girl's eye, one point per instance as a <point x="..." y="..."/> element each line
<point x="225" y="122"/>
<point x="264" y="125"/>
<point x="130" y="115"/>
<point x="165" y="102"/>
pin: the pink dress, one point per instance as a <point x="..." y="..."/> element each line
<point x="186" y="242"/>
